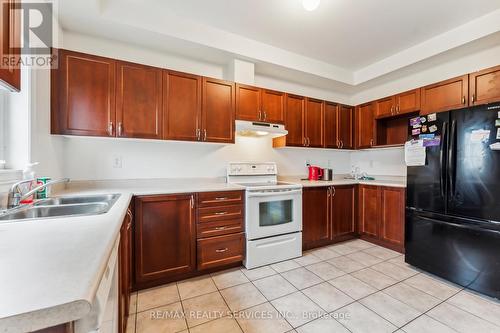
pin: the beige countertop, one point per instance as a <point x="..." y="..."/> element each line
<point x="390" y="181"/>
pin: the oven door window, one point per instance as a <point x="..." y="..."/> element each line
<point x="275" y="212"/>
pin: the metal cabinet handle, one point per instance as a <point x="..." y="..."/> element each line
<point x="308" y="141"/>
<point x="192" y="201"/>
<point x="392" y="109"/>
<point x="198" y="134"/>
<point x="221" y="198"/>
<point x="341" y="144"/>
<point x="205" y="134"/>
<point x="260" y="115"/>
<point x="464" y="100"/>
<point x="265" y="115"/>
<point x="371" y="142"/>
<point x="473" y="98"/>
<point x="220" y="228"/>
<point x="110" y="128"/>
<point x="220" y="213"/>
<point x="120" y="128"/>
<point x="329" y="192"/>
<point x="222" y="250"/>
<point x="397" y="109"/>
<point x="333" y="189"/>
<point x="304" y="141"/>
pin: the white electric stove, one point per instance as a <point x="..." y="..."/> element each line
<point x="273" y="213"/>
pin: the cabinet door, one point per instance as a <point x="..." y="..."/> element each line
<point x="369" y="210"/>
<point x="485" y="86"/>
<point x="345" y="126"/>
<point x="331" y="125"/>
<point x="343" y="214"/>
<point x="248" y="103"/>
<point x="408" y="102"/>
<point x="393" y="215"/>
<point x="181" y="106"/>
<point x="384" y="107"/>
<point x="124" y="272"/>
<point x="218" y="111"/>
<point x="164" y="236"/>
<point x="315" y="217"/>
<point x="314" y="122"/>
<point x="446" y="95"/>
<point x="138" y="101"/>
<point x="273" y="106"/>
<point x="10" y="43"/>
<point x="85" y="86"/>
<point x="294" y="111"/>
<point x="365" y="126"/>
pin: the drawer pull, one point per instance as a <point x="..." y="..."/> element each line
<point x="221" y="198"/>
<point x="222" y="250"/>
<point x="220" y="228"/>
<point x="220" y="213"/>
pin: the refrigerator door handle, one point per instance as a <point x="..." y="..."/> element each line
<point x="442" y="153"/>
<point x="457" y="225"/>
<point x="451" y="158"/>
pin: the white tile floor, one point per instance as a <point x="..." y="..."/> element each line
<point x="354" y="286"/>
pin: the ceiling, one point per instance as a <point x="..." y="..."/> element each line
<point x="348" y="41"/>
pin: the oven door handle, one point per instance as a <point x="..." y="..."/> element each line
<point x="273" y="194"/>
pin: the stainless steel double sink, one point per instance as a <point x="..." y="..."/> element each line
<point x="62" y="207"/>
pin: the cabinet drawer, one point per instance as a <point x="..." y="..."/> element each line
<point x="220" y="251"/>
<point x="207" y="199"/>
<point x="219" y="228"/>
<point x="211" y="214"/>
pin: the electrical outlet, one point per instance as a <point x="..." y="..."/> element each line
<point x="117" y="162"/>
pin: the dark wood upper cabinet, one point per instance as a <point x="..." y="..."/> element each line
<point x="385" y="107"/>
<point x="392" y="215"/>
<point x="165" y="237"/>
<point x="343" y="211"/>
<point x="273" y="106"/>
<point x="294" y="119"/>
<point x="485" y="86"/>
<point x="369" y="210"/>
<point x="138" y="101"/>
<point x="83" y="95"/>
<point x="256" y="104"/>
<point x="365" y="126"/>
<point x="332" y="125"/>
<point x="10" y="43"/>
<point x="314" y="122"/>
<point x="248" y="103"/>
<point x="181" y="106"/>
<point x="408" y="102"/>
<point x="346" y="126"/>
<point x="315" y="217"/>
<point x="218" y="111"/>
<point x="446" y="95"/>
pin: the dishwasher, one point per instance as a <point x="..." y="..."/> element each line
<point x="103" y="316"/>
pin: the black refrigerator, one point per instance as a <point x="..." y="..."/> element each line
<point x="452" y="224"/>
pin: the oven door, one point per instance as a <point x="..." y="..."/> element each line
<point x="271" y="213"/>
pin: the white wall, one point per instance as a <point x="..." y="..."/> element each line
<point x="386" y="162"/>
<point x="92" y="158"/>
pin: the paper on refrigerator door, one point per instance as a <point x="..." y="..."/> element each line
<point x="415" y="153"/>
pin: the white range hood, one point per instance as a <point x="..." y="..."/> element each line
<point x="259" y="129"/>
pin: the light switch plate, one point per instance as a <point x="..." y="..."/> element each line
<point x="117" y="161"/>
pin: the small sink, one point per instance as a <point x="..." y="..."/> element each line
<point x="63" y="207"/>
<point x="108" y="198"/>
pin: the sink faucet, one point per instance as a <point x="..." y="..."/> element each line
<point x="16" y="196"/>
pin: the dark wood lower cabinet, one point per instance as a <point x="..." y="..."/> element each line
<point x="328" y="215"/>
<point x="315" y="217"/>
<point x="381" y="215"/>
<point x="165" y="238"/>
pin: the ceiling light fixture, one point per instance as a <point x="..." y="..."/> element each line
<point x="310" y="5"/>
